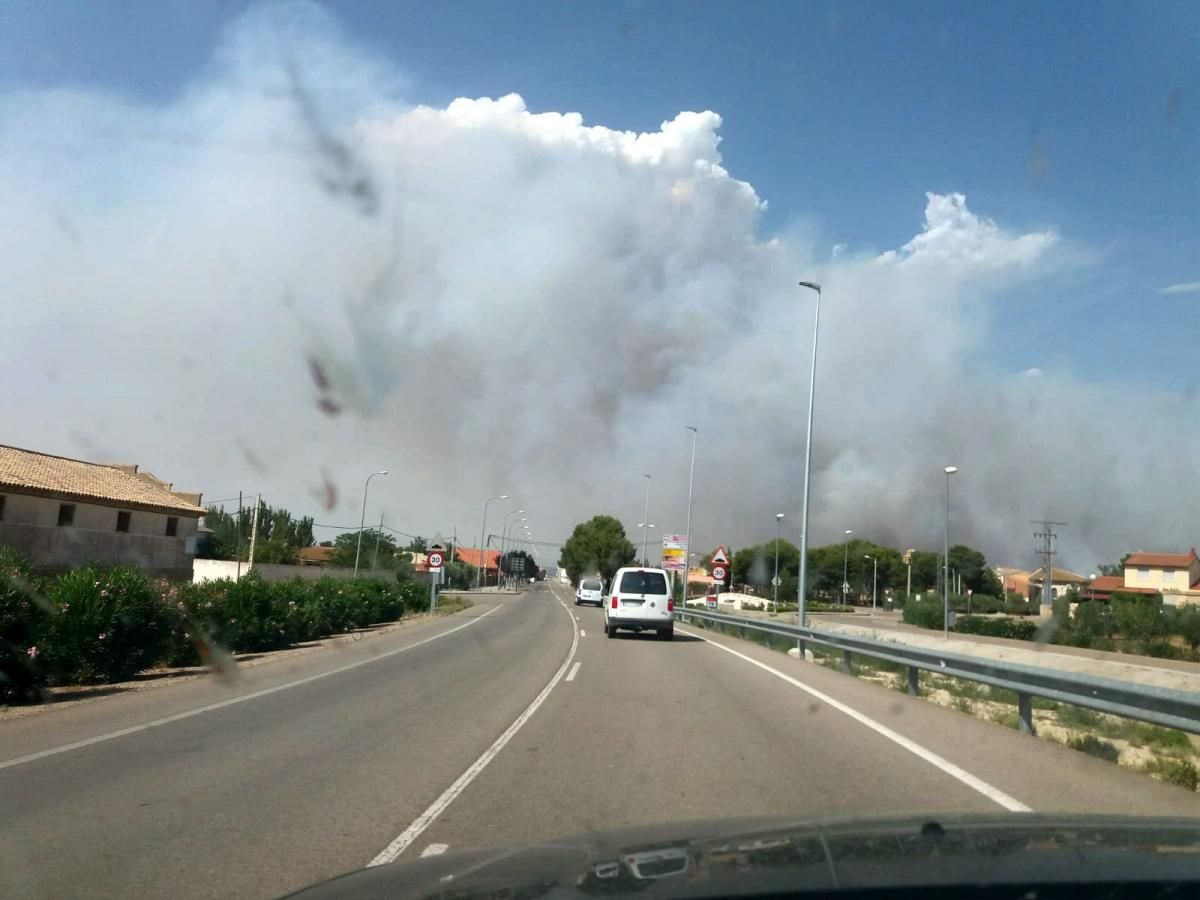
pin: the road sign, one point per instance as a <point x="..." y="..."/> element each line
<point x="435" y="560"/>
<point x="719" y="558"/>
<point x="776" y="581"/>
<point x="672" y="559"/>
<point x="674" y="541"/>
<point x="718" y="572"/>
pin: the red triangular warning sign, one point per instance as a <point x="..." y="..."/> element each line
<point x="719" y="558"/>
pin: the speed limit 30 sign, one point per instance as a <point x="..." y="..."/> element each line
<point x="718" y="573"/>
<point x="435" y="560"/>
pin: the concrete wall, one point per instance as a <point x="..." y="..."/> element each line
<point x="214" y="569"/>
<point x="23" y="509"/>
<point x="54" y="549"/>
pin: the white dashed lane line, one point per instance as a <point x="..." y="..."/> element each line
<point x="574" y="670"/>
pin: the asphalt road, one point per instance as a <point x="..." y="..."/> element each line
<point x="514" y="721"/>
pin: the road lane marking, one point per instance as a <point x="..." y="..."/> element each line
<point x="574" y="671"/>
<point x="582" y="633"/>
<point x="434" y="850"/>
<point x="232" y="701"/>
<point x="974" y="782"/>
<point x="427" y="818"/>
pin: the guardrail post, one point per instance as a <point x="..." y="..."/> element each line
<point x="847" y="665"/>
<point x="800" y="650"/>
<point x="914" y="685"/>
<point x="1025" y="713"/>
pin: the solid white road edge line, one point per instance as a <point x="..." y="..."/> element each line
<point x="438" y="806"/>
<point x="975" y="783"/>
<point x="582" y="633"/>
<point x="232" y="701"/>
<point x="574" y="671"/>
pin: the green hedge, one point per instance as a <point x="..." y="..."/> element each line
<point x="93" y="625"/>
<point x="926" y="613"/>
<point x="1018" y="629"/>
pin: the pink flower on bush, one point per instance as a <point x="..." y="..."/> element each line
<point x="102" y="635"/>
<point x="32" y="652"/>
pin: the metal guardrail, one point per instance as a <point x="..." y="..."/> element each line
<point x="1146" y="703"/>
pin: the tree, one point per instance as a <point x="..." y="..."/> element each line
<point x="1113" y="568"/>
<point x="280" y="534"/>
<point x="1187" y="625"/>
<point x="756" y="565"/>
<point x="345" y="546"/>
<point x="970" y="565"/>
<point x="418" y="545"/>
<point x="597" y="545"/>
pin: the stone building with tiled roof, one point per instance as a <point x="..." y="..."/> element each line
<point x="62" y="513"/>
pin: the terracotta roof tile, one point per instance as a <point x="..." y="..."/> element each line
<point x="315" y="554"/>
<point x="1170" y="560"/>
<point x="470" y="555"/>
<point x="29" y="472"/>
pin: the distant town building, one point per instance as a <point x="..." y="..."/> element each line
<point x="62" y="513"/>
<point x="1174" y="575"/>
<point x="1061" y="581"/>
<point x="473" y="557"/>
<point x="315" y="556"/>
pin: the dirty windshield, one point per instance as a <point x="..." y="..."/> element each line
<point x="351" y="349"/>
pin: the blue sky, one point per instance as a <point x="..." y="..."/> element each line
<point x="1080" y="116"/>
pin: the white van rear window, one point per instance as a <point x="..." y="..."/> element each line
<point x="643" y="583"/>
<point x="590" y="585"/>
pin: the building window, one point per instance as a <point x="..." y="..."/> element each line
<point x="172" y="526"/>
<point x="123" y="518"/>
<point x="66" y="514"/>
<point x="1168" y="577"/>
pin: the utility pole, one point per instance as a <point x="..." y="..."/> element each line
<point x="1047" y="552"/>
<point x="238" y="552"/>
<point x="254" y="531"/>
<point x="908" y="587"/>
<point x="378" y="535"/>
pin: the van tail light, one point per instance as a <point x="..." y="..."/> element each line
<point x="670" y="606"/>
<point x="614" y="601"/>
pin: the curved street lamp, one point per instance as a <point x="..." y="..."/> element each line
<point x="483" y="537"/>
<point x="363" y="520"/>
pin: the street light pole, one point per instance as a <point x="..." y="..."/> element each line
<point x="874" y="578"/>
<point x="846" y="569"/>
<point x="950" y="470"/>
<point x="363" y="520"/>
<point x="687" y="538"/>
<point x="482" y="538"/>
<point x="802" y="588"/>
<point x="504" y="536"/>
<point x="775" y="581"/>
<point x="645" y="518"/>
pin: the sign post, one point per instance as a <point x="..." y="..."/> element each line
<point x="436" y="559"/>
<point x="720" y="565"/>
<point x="674" y="559"/>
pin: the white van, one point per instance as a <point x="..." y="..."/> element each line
<point x="640" y="600"/>
<point x="590" y="590"/>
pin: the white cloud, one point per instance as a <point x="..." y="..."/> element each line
<point x="522" y="302"/>
<point x="1184" y="287"/>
